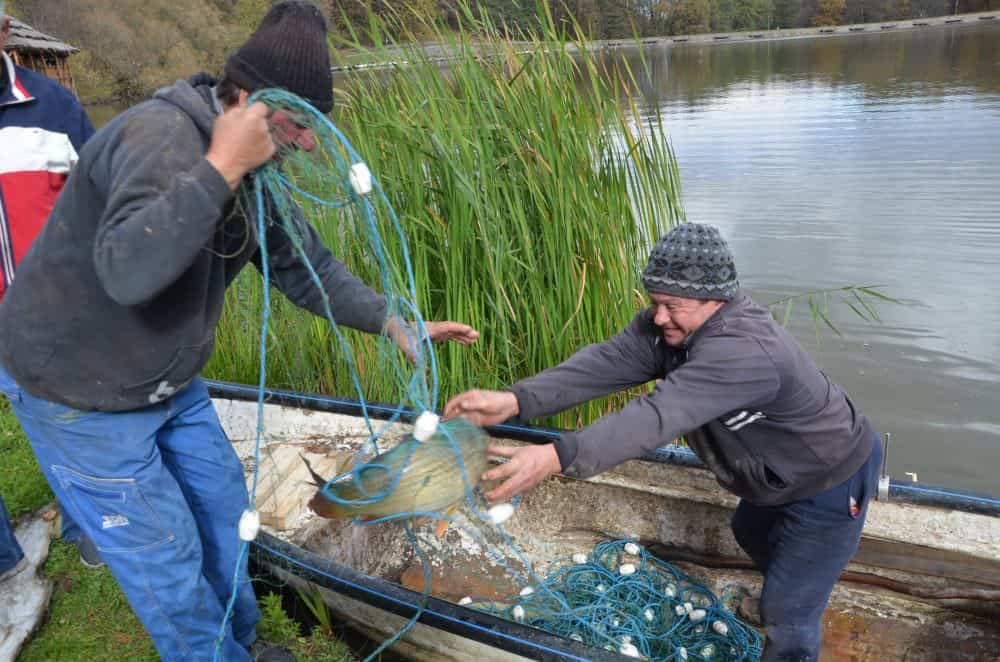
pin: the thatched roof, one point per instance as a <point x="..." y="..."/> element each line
<point x="25" y="38"/>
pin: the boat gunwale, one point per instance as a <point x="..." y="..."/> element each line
<point x="918" y="494"/>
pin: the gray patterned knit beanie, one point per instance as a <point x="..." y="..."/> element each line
<point x="692" y="261"/>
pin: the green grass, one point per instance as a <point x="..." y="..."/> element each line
<point x="88" y="618"/>
<point x="277" y="627"/>
<point x="22" y="485"/>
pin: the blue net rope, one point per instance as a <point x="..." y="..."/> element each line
<point x="622" y="599"/>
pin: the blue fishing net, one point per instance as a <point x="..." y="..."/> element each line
<point x="620" y="598"/>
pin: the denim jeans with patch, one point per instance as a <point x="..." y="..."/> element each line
<point x="801" y="548"/>
<point x="160" y="492"/>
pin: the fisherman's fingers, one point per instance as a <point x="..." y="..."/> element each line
<point x="507" y="490"/>
<point x="471" y="404"/>
<point x="454" y="331"/>
<point x="502" y="451"/>
<point x="523" y="481"/>
<point x="505" y="470"/>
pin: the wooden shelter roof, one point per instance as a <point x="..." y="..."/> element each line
<point x="25" y="38"/>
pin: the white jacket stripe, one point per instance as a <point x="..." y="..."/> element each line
<point x="755" y="417"/>
<point x="31" y="149"/>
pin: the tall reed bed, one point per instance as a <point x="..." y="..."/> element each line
<point x="528" y="197"/>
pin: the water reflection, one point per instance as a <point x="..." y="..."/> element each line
<point x="862" y="160"/>
<point x="923" y="62"/>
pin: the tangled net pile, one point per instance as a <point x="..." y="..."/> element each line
<point x="623" y="599"/>
<point x="652" y="611"/>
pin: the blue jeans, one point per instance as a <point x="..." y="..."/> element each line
<point x="159" y="491"/>
<point x="10" y="550"/>
<point x="801" y="548"/>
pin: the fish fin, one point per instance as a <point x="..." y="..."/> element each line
<point x="442" y="526"/>
<point x="319" y="480"/>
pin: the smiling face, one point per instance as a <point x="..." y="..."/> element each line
<point x="679" y="317"/>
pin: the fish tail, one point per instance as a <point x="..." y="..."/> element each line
<point x="319" y="480"/>
<point x="319" y="503"/>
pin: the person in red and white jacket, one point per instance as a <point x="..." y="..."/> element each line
<point x="42" y="128"/>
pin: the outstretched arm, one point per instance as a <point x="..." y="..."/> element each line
<point x="625" y="360"/>
<point x="738" y="375"/>
<point x="622" y="361"/>
<point x="352" y="303"/>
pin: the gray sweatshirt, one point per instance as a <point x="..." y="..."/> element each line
<point x="747" y="398"/>
<point x="115" y="306"/>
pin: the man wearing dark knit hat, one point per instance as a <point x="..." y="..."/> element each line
<point x="113" y="315"/>
<point x="749" y="401"/>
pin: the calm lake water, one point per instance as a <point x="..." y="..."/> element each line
<point x="863" y="160"/>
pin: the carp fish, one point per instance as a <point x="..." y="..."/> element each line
<point x="426" y="474"/>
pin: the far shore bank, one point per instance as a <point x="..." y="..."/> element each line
<point x="956" y="20"/>
<point x="438" y="53"/>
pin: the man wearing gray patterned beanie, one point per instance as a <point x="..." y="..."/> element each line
<point x="750" y="403"/>
<point x="113" y="315"/>
<point x="692" y="261"/>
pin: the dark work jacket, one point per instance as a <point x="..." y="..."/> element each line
<point x="747" y="398"/>
<point x="115" y="305"/>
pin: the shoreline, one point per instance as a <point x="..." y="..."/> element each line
<point x="434" y="50"/>
<point x="878" y="27"/>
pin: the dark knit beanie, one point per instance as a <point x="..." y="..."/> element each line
<point x="692" y="261"/>
<point x="289" y="51"/>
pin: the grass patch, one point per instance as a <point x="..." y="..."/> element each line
<point x="22" y="484"/>
<point x="278" y="628"/>
<point x="89" y="617"/>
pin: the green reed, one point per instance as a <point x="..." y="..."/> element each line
<point x="528" y="196"/>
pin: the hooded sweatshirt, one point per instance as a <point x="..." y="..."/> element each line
<point x="744" y="394"/>
<point x="115" y="305"/>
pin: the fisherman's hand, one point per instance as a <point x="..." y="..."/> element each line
<point x="405" y="334"/>
<point x="241" y="141"/>
<point x="526" y="467"/>
<point x="483" y="407"/>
